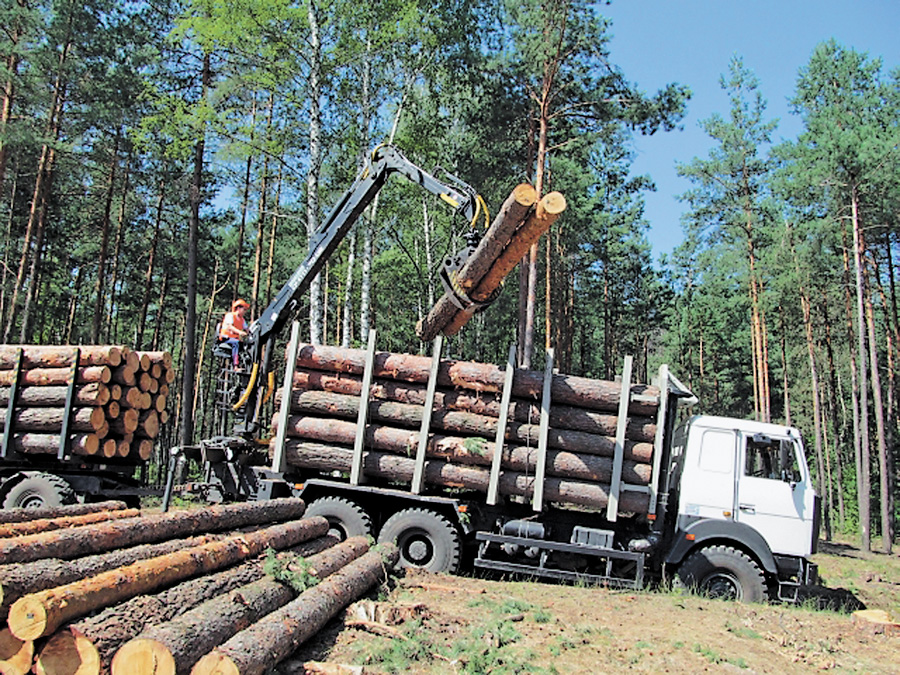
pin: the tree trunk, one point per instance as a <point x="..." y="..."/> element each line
<point x="100" y="286"/>
<point x="8" y="516"/>
<point x="59" y="356"/>
<point x="112" y="316"/>
<point x="315" y="162"/>
<point x="50" y="524"/>
<point x="151" y="263"/>
<point x="174" y="646"/>
<point x="263" y="645"/>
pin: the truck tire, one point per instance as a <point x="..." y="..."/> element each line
<point x="426" y="540"/>
<point x="39" y="490"/>
<point x="347" y="519"/>
<point x="722" y="572"/>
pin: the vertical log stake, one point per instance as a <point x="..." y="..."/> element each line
<point x="494" y="485"/>
<point x="418" y="481"/>
<point x="612" y="508"/>
<point x="8" y="429"/>
<point x="537" y="503"/>
<point x="356" y="473"/>
<point x="285" y="410"/>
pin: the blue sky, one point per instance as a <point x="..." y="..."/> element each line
<point x="692" y="41"/>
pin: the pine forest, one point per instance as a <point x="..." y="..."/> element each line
<point x="160" y="160"/>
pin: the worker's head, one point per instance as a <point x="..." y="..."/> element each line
<point x="238" y="304"/>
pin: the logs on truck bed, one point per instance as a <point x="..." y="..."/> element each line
<point x="269" y="641"/>
<point x="40" y="614"/>
<point x="174" y="646"/>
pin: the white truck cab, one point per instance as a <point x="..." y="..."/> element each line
<point x="744" y="494"/>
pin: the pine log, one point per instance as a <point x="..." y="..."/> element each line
<point x="175" y="646"/>
<point x="56" y="376"/>
<point x="548" y="210"/>
<point x="51" y="419"/>
<point x="19" y="579"/>
<point x="93" y="394"/>
<point x="267" y="642"/>
<point x="15" y="655"/>
<point x="527" y="384"/>
<point x="148" y="424"/>
<point x="59" y="356"/>
<point x="508" y="218"/>
<point x="124" y="375"/>
<point x="48" y="444"/>
<point x="48" y="524"/>
<point x="109" y="448"/>
<point x="405" y="441"/>
<point x="127" y="422"/>
<point x="22" y="515"/>
<point x="101" y="537"/>
<point x="86" y="647"/>
<point x="390" y="467"/>
<point x="40" y="614"/>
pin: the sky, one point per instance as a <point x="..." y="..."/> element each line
<point x="691" y="42"/>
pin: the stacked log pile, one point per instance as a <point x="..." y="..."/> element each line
<point x="520" y="222"/>
<point x="324" y="406"/>
<point x="155" y="593"/>
<point x="118" y="400"/>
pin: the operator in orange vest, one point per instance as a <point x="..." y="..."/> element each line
<point x="234" y="327"/>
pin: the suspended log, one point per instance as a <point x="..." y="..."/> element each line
<point x="19" y="579"/>
<point x="92" y="394"/>
<point x="175" y="646"/>
<point x="40" y="614"/>
<point x="269" y="641"/>
<point x="391" y="467"/>
<point x="497" y="237"/>
<point x="51" y="419"/>
<point x="15" y="654"/>
<point x="50" y="376"/>
<point x="48" y="524"/>
<point x="59" y="356"/>
<point x="22" y="515"/>
<point x="527" y="384"/>
<point x="84" y="445"/>
<point x="111" y="535"/>
<point x="86" y="647"/>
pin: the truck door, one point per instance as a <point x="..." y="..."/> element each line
<point x="775" y="496"/>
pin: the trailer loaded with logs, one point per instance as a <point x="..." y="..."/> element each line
<point x="78" y="422"/>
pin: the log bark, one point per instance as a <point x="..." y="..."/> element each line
<point x="49" y="524"/>
<point x="93" y="394"/>
<point x="56" y="376"/>
<point x="508" y="218"/>
<point x="59" y="356"/>
<point x="51" y="419"/>
<point x="40" y="614"/>
<point x="15" y="655"/>
<point x="527" y="384"/>
<point x="23" y="515"/>
<point x="269" y="641"/>
<point x="87" y="646"/>
<point x="390" y="467"/>
<point x="175" y="646"/>
<point x="118" y="534"/>
<point x="84" y="445"/>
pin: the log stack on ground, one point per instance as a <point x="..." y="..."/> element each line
<point x="581" y="437"/>
<point x="111" y="400"/>
<point x="72" y="615"/>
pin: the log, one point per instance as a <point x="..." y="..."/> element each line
<point x="59" y="356"/>
<point x="125" y="375"/>
<point x="48" y="524"/>
<point x="508" y="218"/>
<point x="175" y="646"/>
<point x="148" y="424"/>
<point x="19" y="579"/>
<point x="15" y="654"/>
<point x="23" y="515"/>
<point x="50" y="376"/>
<point x="51" y="419"/>
<point x="390" y="467"/>
<point x="101" y="537"/>
<point x="548" y="210"/>
<point x="40" y="614"/>
<point x="93" y="394"/>
<point x="127" y="422"/>
<point x="86" y="647"/>
<point x="527" y="384"/>
<point x="163" y="358"/>
<point x="269" y="641"/>
<point x="48" y="444"/>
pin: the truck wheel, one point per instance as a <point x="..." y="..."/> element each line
<point x="426" y="540"/>
<point x="39" y="490"/>
<point x="722" y="572"/>
<point x="347" y="519"/>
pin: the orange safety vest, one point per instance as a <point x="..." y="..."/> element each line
<point x="231" y="324"/>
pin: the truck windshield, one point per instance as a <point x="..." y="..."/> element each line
<point x="771" y="458"/>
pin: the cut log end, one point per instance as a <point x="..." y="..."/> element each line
<point x="28" y="618"/>
<point x="215" y="663"/>
<point x="143" y="656"/>
<point x="552" y="203"/>
<point x="15" y="654"/>
<point x="68" y="652"/>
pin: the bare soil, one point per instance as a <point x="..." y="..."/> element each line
<point x="425" y="623"/>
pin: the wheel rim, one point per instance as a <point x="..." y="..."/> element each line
<point x="31" y="500"/>
<point x="722" y="585"/>
<point x="417" y="548"/>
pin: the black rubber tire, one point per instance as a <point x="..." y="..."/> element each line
<point x="39" y="490"/>
<point x="347" y="518"/>
<point x="426" y="540"/>
<point x="722" y="572"/>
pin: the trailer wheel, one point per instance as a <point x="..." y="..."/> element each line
<point x="426" y="540"/>
<point x="722" y="572"/>
<point x="39" y="490"/>
<point x="346" y="518"/>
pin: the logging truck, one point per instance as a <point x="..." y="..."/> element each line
<point x="508" y="470"/>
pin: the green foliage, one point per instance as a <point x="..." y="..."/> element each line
<point x="293" y="571"/>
